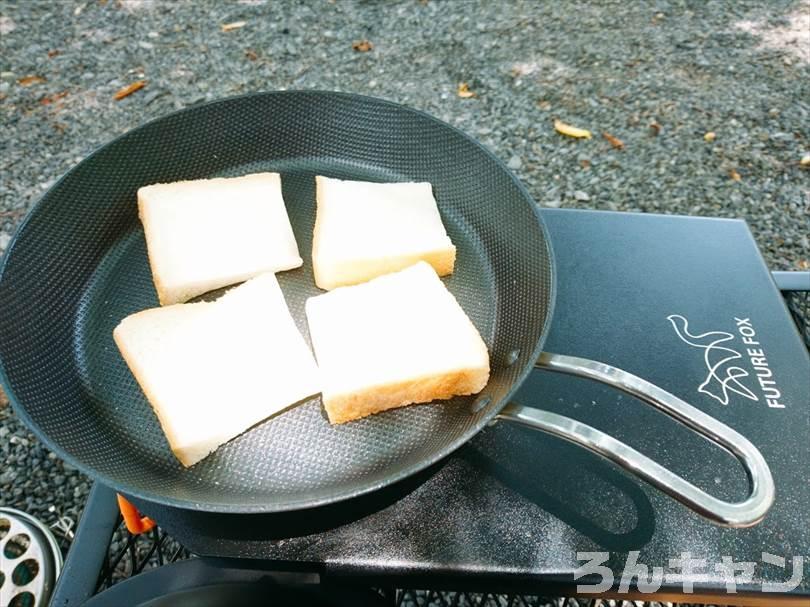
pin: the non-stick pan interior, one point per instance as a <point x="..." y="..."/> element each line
<point x="79" y="265"/>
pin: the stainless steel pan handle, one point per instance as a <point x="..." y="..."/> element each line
<point x="740" y="514"/>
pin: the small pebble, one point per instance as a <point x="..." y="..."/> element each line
<point x="515" y="163"/>
<point x="581" y="196"/>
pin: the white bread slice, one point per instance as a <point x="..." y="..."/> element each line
<point x="210" y="233"/>
<point x="364" y="230"/>
<point x="213" y="370"/>
<point x="395" y="340"/>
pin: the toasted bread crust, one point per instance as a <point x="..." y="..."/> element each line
<point x="358" y="271"/>
<point x="348" y="407"/>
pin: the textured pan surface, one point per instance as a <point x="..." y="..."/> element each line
<point x="78" y="265"/>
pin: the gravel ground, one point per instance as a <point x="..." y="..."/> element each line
<point x="658" y="76"/>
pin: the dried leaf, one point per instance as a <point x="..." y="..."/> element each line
<point x="656" y="128"/>
<point x="734" y="175"/>
<point x="463" y="91"/>
<point x="585" y="164"/>
<point x="50" y="99"/>
<point x="614" y="141"/>
<point x="228" y="27"/>
<point x="804" y="264"/>
<point x="251" y="54"/>
<point x="129" y="89"/>
<point x="53" y="53"/>
<point x="30" y="80"/>
<point x="571" y="131"/>
<point x="710" y="136"/>
<point x="544" y="105"/>
<point x="362" y="46"/>
<point x="805" y="161"/>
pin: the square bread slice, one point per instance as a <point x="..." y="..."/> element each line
<point x="395" y="340"/>
<point x="213" y="370"/>
<point x="364" y="230"/>
<point x="210" y="233"/>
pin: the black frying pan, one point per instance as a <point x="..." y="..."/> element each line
<point x="78" y="265"/>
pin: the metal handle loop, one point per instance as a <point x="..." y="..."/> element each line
<point x="740" y="514"/>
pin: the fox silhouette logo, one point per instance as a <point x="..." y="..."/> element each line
<point x="723" y="377"/>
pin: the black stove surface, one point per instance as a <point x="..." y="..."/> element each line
<point x="686" y="303"/>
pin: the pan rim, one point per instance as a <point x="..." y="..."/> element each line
<point x="301" y="504"/>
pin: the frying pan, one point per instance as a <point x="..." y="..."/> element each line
<point x="78" y="265"/>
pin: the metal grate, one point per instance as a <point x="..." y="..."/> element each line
<point x="129" y="555"/>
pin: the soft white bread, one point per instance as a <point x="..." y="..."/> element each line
<point x="395" y="340"/>
<point x="213" y="370"/>
<point x="364" y="230"/>
<point x="210" y="233"/>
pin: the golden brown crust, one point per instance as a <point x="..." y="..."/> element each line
<point x="358" y="271"/>
<point x="443" y="261"/>
<point x="348" y="407"/>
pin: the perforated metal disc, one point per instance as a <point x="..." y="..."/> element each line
<point x="78" y="265"/>
<point x="30" y="560"/>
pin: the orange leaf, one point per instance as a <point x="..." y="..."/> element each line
<point x="614" y="141"/>
<point x="48" y="100"/>
<point x="571" y="131"/>
<point x="734" y="175"/>
<point x="656" y="128"/>
<point x="464" y="91"/>
<point x="227" y="27"/>
<point x="129" y="89"/>
<point x="30" y="80"/>
<point x="362" y="46"/>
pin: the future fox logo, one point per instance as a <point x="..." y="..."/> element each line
<point x="723" y="377"/>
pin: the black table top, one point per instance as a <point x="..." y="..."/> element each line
<point x="513" y="508"/>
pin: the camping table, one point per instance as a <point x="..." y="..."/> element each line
<point x="516" y="512"/>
